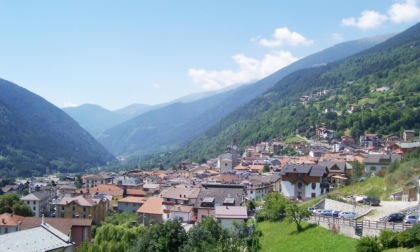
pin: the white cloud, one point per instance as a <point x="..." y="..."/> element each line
<point x="249" y="69"/>
<point x="404" y="12"/>
<point x="368" y="20"/>
<point x="283" y="36"/>
<point x="156" y="85"/>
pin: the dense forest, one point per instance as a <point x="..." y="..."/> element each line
<point x="356" y="80"/>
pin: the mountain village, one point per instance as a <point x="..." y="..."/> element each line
<point x="218" y="188"/>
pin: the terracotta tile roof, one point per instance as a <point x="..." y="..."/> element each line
<point x="153" y="205"/>
<point x="135" y="192"/>
<point x="231" y="212"/>
<point x="81" y="200"/>
<point x="132" y="199"/>
<point x="62" y="224"/>
<point x="182" y="208"/>
<point x="8" y="219"/>
<point x="104" y="189"/>
<point x="182" y="193"/>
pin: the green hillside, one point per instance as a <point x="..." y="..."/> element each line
<point x="36" y="137"/>
<point x="278" y="113"/>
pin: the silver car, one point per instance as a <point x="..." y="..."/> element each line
<point x="347" y="215"/>
<point x="412" y="219"/>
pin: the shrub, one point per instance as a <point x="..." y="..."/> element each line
<point x="368" y="244"/>
<point x="388" y="238"/>
<point x="409" y="238"/>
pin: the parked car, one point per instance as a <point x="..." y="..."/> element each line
<point x="326" y="212"/>
<point x="318" y="211"/>
<point x="335" y="213"/>
<point x="347" y="215"/>
<point x="312" y="209"/>
<point x="396" y="217"/>
<point x="412" y="219"/>
<point x="373" y="201"/>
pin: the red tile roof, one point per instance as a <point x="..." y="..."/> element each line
<point x="8" y="219"/>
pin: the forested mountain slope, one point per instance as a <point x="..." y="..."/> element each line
<point x="36" y="137"/>
<point x="171" y="127"/>
<point x="278" y="113"/>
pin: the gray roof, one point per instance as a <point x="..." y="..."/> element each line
<point x="41" y="238"/>
<point x="311" y="170"/>
<point x="381" y="159"/>
<point x="220" y="192"/>
<point x="332" y="166"/>
<point x="35" y="196"/>
<point x="409" y="145"/>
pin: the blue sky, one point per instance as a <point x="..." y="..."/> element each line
<point x="115" y="53"/>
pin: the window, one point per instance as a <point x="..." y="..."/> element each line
<point x="74" y="209"/>
<point x="84" y="210"/>
<point x="373" y="168"/>
<point x="34" y="208"/>
<point x="299" y="184"/>
<point x="313" y="186"/>
<point x="29" y="202"/>
<point x="62" y="208"/>
<point x="34" y="202"/>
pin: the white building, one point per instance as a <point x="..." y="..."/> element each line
<point x="38" y="202"/>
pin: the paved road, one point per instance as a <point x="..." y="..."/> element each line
<point x="388" y="207"/>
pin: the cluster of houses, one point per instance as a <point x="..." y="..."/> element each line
<point x="218" y="188"/>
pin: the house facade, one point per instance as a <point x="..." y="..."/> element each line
<point x="304" y="181"/>
<point x="82" y="206"/>
<point x="377" y="162"/>
<point x="38" y="202"/>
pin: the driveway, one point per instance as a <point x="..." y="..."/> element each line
<point x="388" y="207"/>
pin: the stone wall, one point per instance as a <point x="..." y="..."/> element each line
<point x="341" y="206"/>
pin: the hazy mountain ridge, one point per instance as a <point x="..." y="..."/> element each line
<point x="278" y="113"/>
<point x="133" y="137"/>
<point x="36" y="136"/>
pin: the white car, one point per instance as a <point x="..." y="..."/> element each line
<point x="347" y="215"/>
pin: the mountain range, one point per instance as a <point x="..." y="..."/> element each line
<point x="170" y="127"/>
<point x="38" y="138"/>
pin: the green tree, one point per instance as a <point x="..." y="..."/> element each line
<point x="275" y="206"/>
<point x="168" y="236"/>
<point x="358" y="171"/>
<point x="297" y="214"/>
<point x="11" y="203"/>
<point x="208" y="235"/>
<point x="266" y="168"/>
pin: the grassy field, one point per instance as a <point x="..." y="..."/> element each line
<point x="374" y="186"/>
<point x="282" y="236"/>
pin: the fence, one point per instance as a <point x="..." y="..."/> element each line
<point x="362" y="224"/>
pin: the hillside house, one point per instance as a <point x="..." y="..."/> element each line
<point x="377" y="162"/>
<point x="304" y="181"/>
<point x="92" y="180"/>
<point x="402" y="148"/>
<point x="212" y="195"/>
<point x="368" y="140"/>
<point x="228" y="215"/>
<point x="408" y="135"/>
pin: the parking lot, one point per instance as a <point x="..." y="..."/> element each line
<point x="388" y="207"/>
